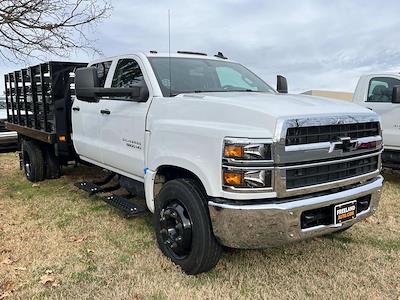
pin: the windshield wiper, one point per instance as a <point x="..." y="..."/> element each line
<point x="214" y="91"/>
<point x="242" y="90"/>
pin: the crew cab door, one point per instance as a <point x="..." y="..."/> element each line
<point x="86" y="121"/>
<point x="123" y="127"/>
<point x="379" y="99"/>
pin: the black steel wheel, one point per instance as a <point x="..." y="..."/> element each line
<point x="33" y="162"/>
<point x="176" y="229"/>
<point x="183" y="227"/>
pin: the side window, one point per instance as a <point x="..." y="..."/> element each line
<point x="128" y="74"/>
<point x="102" y="71"/>
<point x="380" y="89"/>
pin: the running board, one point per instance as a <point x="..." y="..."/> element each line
<point x="129" y="208"/>
<point x="92" y="188"/>
<point x="122" y="203"/>
<point x="89" y="187"/>
<point x="96" y="187"/>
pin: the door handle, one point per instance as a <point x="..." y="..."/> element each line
<point x="105" y="111"/>
<point x="76" y="109"/>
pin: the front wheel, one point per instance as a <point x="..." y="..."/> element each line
<point x="183" y="227"/>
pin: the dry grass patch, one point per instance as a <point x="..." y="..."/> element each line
<point x="56" y="242"/>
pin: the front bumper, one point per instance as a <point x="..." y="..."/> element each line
<point x="276" y="223"/>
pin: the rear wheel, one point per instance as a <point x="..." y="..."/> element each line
<point x="33" y="162"/>
<point x="183" y="227"/>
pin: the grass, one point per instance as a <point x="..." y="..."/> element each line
<point x="90" y="252"/>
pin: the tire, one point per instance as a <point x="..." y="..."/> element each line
<point x="33" y="162"/>
<point x="52" y="166"/>
<point x="197" y="251"/>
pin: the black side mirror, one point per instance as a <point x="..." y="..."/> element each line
<point x="86" y="80"/>
<point x="87" y="88"/>
<point x="396" y="94"/>
<point x="281" y="84"/>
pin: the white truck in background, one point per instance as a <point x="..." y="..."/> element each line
<point x="219" y="156"/>
<point x="8" y="139"/>
<point x="381" y="93"/>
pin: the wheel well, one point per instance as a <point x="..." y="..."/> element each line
<point x="168" y="173"/>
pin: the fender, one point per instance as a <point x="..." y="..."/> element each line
<point x="150" y="175"/>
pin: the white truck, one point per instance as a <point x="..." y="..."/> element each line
<point x="8" y="139"/>
<point x="381" y="93"/>
<point x="220" y="157"/>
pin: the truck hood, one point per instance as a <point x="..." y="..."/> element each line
<point x="281" y="105"/>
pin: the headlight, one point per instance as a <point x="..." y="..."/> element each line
<point x="247" y="165"/>
<point x="243" y="149"/>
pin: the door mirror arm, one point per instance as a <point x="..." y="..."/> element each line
<point x="87" y="88"/>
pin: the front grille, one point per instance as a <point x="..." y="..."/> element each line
<point x="308" y="176"/>
<point x="2" y="126"/>
<point x="330" y="133"/>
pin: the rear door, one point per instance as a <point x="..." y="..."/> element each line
<point x="122" y="132"/>
<point x="379" y="99"/>
<point x="86" y="121"/>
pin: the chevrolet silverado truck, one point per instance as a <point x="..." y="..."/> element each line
<point x="220" y="157"/>
<point x="381" y="93"/>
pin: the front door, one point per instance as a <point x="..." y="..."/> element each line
<point x="122" y="132"/>
<point x="86" y="118"/>
<point x="380" y="100"/>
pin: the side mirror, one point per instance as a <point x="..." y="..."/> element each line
<point x="87" y="88"/>
<point x="396" y="94"/>
<point x="281" y="84"/>
<point x="86" y="80"/>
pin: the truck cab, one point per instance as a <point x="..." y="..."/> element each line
<point x="377" y="92"/>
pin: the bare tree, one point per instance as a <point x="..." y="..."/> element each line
<point x="33" y="28"/>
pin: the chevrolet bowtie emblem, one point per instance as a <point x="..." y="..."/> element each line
<point x="346" y="144"/>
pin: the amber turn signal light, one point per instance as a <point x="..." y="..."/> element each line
<point x="233" y="151"/>
<point x="235" y="179"/>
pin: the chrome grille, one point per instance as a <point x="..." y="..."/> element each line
<point x="330" y="133"/>
<point x="308" y="176"/>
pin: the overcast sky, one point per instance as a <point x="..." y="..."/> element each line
<point x="315" y="44"/>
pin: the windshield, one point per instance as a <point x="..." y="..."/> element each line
<point x="2" y="104"/>
<point x="191" y="75"/>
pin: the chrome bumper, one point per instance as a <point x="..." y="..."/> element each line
<point x="273" y="224"/>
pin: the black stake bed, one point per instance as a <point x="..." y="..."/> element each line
<point x="39" y="101"/>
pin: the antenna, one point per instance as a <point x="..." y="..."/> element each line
<point x="169" y="52"/>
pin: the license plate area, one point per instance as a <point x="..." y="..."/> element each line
<point x="345" y="212"/>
